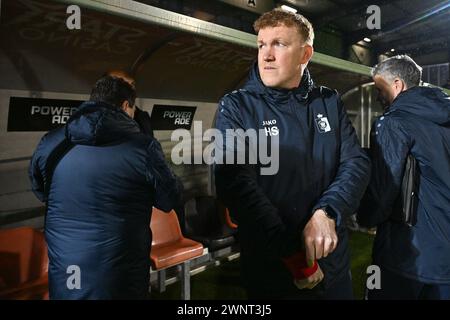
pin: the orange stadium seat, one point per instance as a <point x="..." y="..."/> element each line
<point x="23" y="264"/>
<point x="170" y="248"/>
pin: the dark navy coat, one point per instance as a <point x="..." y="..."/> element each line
<point x="417" y="122"/>
<point x="100" y="202"/>
<point x="319" y="166"/>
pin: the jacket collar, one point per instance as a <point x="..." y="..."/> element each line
<point x="255" y="84"/>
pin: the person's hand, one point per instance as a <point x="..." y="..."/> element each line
<point x="319" y="236"/>
<point x="310" y="282"/>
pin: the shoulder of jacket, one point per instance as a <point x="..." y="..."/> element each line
<point x="327" y="92"/>
<point x="48" y="143"/>
<point x="389" y="123"/>
<point x="53" y="137"/>
<point x="326" y="96"/>
<point x="235" y="95"/>
<point x="392" y="118"/>
<point x="233" y="100"/>
<point x="151" y="144"/>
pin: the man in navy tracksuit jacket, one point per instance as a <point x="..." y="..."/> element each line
<point x="100" y="198"/>
<point x="414" y="260"/>
<point x="322" y="172"/>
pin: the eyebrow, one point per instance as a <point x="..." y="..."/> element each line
<point x="274" y="40"/>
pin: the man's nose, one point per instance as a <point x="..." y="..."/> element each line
<point x="268" y="54"/>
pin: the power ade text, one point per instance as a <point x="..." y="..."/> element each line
<point x="59" y="115"/>
<point x="181" y="117"/>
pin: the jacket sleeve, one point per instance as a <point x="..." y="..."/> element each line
<point x="167" y="187"/>
<point x="238" y="189"/>
<point x="36" y="175"/>
<point x="37" y="169"/>
<point x="389" y="149"/>
<point x="352" y="177"/>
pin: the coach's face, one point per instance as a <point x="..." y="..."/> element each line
<point x="388" y="90"/>
<point x="282" y="56"/>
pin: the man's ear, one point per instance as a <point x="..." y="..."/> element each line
<point x="399" y="86"/>
<point x="125" y="105"/>
<point x="307" y="55"/>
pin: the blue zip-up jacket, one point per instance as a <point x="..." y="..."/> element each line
<point x="417" y="123"/>
<point x="100" y="202"/>
<point x="318" y="167"/>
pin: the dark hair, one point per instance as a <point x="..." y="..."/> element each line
<point x="113" y="91"/>
<point x="117" y="73"/>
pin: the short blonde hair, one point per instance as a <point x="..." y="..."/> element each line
<point x="278" y="17"/>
